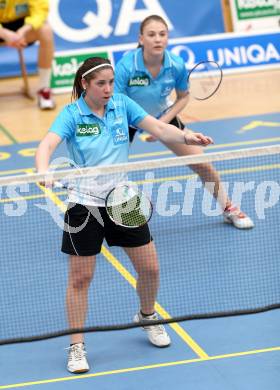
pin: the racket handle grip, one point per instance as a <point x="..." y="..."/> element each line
<point x="58" y="184"/>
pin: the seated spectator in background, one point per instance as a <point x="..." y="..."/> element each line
<point x="22" y="23"/>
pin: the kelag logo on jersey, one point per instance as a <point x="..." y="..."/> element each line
<point x="88" y="130"/>
<point x="139" y="81"/>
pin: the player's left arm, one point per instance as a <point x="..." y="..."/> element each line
<point x="182" y="100"/>
<point x="171" y="134"/>
<point x="181" y="89"/>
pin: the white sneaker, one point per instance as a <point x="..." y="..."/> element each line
<point x="45" y="99"/>
<point x="157" y="334"/>
<point x="77" y="361"/>
<point x="236" y="217"/>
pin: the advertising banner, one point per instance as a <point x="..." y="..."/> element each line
<point x="255" y="14"/>
<point x="65" y="66"/>
<point x="87" y="24"/>
<point x="234" y="52"/>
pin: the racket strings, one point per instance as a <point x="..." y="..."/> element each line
<point x="126" y="205"/>
<point x="205" y="80"/>
<point x="134" y="212"/>
<point x="207" y="87"/>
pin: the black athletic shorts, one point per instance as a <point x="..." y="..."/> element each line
<point x="14" y="26"/>
<point x="175" y="122"/>
<point x="83" y="233"/>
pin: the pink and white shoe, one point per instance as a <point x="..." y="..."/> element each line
<point x="157" y="334"/>
<point x="45" y="99"/>
<point x="237" y="218"/>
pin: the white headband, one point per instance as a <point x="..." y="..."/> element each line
<point x="95" y="67"/>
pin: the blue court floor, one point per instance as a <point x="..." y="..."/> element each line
<point x="227" y="353"/>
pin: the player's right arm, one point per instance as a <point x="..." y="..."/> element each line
<point x="62" y="128"/>
<point x="45" y="150"/>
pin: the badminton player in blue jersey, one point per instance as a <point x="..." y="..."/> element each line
<point x="148" y="75"/>
<point x="96" y="107"/>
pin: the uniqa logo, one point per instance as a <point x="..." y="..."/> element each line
<point x="120" y="135"/>
<point x="99" y="24"/>
<point x="238" y="55"/>
<point x="255" y="54"/>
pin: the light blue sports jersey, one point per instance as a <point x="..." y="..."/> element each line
<point x="94" y="141"/>
<point x="134" y="80"/>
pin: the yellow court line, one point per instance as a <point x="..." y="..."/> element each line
<point x="141" y="368"/>
<point x="241" y="143"/>
<point x="49" y="193"/>
<point x="12" y="171"/>
<point x="29" y="170"/>
<point x="254" y="124"/>
<point x="159" y="180"/>
<point x="177" y="328"/>
<point x="167" y="152"/>
<point x="212" y="147"/>
<point x="221" y="173"/>
<point x="131" y="280"/>
<point x="29" y="197"/>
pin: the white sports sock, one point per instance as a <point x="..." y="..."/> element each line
<point x="44" y="78"/>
